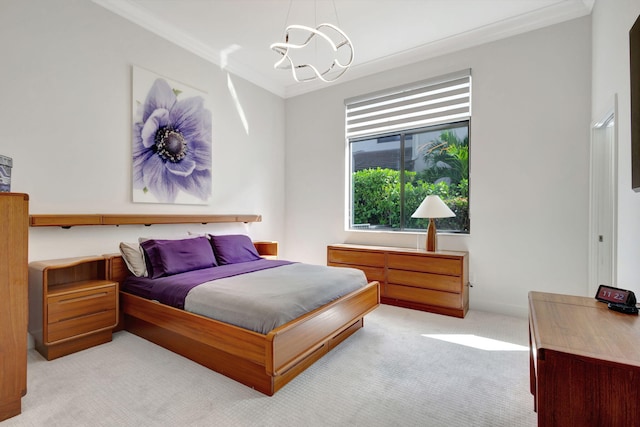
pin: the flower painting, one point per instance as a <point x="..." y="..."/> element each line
<point x="171" y="141"/>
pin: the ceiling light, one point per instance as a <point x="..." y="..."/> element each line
<point x="300" y="40"/>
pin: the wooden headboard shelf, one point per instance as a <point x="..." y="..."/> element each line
<point x="71" y="220"/>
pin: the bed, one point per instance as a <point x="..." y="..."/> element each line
<point x="265" y="361"/>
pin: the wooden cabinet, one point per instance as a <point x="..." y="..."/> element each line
<point x="267" y="249"/>
<point x="584" y="362"/>
<point x="72" y="306"/>
<point x="14" y="223"/>
<point x="430" y="281"/>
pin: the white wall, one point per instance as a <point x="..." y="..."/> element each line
<point x="529" y="165"/>
<point x="66" y="120"/>
<point x="66" y="114"/>
<point x="612" y="20"/>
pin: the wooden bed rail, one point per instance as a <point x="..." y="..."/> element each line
<point x="293" y="342"/>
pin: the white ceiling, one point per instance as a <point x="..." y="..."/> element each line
<point x="236" y="34"/>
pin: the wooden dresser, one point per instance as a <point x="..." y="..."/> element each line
<point x="72" y="304"/>
<point x="584" y="362"/>
<point x="430" y="281"/>
<point x="14" y="238"/>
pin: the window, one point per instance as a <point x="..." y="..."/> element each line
<point x="406" y="144"/>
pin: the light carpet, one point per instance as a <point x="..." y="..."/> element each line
<point x="387" y="374"/>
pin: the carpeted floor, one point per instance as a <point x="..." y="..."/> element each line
<point x="387" y="374"/>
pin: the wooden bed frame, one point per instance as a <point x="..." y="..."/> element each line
<point x="263" y="362"/>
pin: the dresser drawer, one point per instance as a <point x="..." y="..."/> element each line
<point x="372" y="273"/>
<point x="375" y="259"/>
<point x="423" y="296"/>
<point x="76" y="304"/>
<point x="436" y="265"/>
<point x="425" y="280"/>
<point x="411" y="278"/>
<point x="81" y="325"/>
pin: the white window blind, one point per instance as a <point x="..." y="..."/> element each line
<point x="443" y="100"/>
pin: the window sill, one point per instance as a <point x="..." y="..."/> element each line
<point x="407" y="233"/>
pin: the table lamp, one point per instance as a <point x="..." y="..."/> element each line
<point x="432" y="207"/>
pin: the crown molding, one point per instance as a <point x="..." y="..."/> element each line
<point x="549" y="15"/>
<point x="540" y="18"/>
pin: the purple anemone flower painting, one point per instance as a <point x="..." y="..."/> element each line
<point x="171" y="146"/>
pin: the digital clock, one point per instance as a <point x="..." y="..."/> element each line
<point x="615" y="295"/>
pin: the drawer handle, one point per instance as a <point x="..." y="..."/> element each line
<point x="86" y="297"/>
<point x="66" y="319"/>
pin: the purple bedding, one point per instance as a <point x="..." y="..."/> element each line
<point x="172" y="290"/>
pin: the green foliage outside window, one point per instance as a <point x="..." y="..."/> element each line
<point x="376" y="196"/>
<point x="449" y="157"/>
<point x="377" y="191"/>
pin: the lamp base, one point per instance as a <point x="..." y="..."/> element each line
<point x="431" y="236"/>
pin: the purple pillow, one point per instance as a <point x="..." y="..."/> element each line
<point x="167" y="257"/>
<point x="234" y="248"/>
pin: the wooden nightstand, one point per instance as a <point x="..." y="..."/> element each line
<point x="583" y="362"/>
<point x="72" y="306"/>
<point x="267" y="249"/>
<point x="430" y="281"/>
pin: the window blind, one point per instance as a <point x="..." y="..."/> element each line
<point x="443" y="100"/>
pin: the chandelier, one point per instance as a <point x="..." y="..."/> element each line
<point x="300" y="49"/>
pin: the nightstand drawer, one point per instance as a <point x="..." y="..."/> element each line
<point x="425" y="280"/>
<point x="437" y="265"/>
<point x="375" y="259"/>
<point x="76" y="304"/>
<point x="81" y="325"/>
<point x="423" y="296"/>
<point x="73" y="305"/>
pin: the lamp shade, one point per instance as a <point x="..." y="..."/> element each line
<point x="433" y="207"/>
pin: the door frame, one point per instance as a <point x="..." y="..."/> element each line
<point x="600" y="135"/>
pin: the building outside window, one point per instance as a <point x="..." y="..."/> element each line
<point x="405" y="144"/>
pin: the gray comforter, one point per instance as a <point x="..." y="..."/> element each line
<point x="263" y="300"/>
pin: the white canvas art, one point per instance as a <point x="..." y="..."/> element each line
<point x="171" y="141"/>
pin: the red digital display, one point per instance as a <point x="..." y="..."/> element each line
<point x="610" y="294"/>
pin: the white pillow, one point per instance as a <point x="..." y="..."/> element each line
<point x="198" y="234"/>
<point x="134" y="258"/>
<point x="168" y="237"/>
